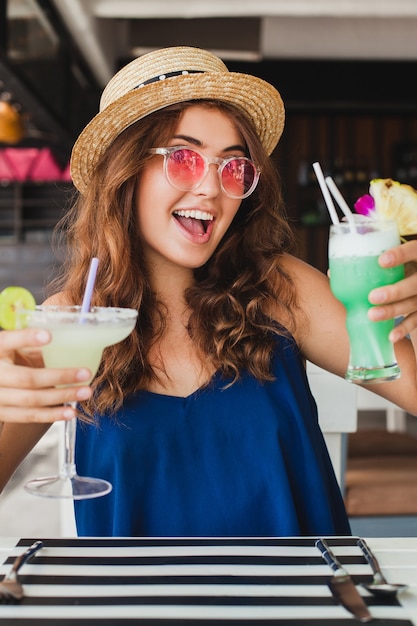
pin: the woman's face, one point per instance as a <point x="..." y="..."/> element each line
<point x="170" y="234"/>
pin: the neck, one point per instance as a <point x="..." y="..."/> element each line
<point x="169" y="283"/>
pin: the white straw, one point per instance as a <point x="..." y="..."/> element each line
<point x="91" y="279"/>
<point x="340" y="200"/>
<point x="326" y="195"/>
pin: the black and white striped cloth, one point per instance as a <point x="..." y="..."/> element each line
<point x="193" y="582"/>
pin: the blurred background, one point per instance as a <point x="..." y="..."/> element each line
<point x="346" y="71"/>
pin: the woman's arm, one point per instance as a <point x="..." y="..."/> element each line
<point x="16" y="441"/>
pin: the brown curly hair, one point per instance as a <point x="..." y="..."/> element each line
<point x="234" y="292"/>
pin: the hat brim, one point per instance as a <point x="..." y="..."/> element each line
<point x="258" y="99"/>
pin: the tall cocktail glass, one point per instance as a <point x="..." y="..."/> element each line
<point x="354" y="271"/>
<point x="78" y="340"/>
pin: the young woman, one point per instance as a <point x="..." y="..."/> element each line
<point x="202" y="419"/>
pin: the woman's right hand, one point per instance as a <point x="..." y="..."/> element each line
<point x="29" y="392"/>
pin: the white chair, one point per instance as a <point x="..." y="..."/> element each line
<point x="337" y="409"/>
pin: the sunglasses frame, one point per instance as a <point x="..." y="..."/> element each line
<point x="221" y="163"/>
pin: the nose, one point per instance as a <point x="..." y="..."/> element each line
<point x="210" y="185"/>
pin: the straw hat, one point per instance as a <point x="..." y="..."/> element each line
<point x="168" y="76"/>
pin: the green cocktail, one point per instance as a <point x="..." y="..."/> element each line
<point x="78" y="340"/>
<point x="354" y="272"/>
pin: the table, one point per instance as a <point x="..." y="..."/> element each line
<point x="200" y="582"/>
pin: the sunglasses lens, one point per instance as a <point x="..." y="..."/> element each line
<point x="185" y="168"/>
<point x="238" y="177"/>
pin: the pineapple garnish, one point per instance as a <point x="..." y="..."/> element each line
<point x="395" y="201"/>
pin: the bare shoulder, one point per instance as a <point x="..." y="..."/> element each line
<point x="57" y="299"/>
<point x="300" y="270"/>
<point x="310" y="283"/>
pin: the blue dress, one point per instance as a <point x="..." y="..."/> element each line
<point x="247" y="460"/>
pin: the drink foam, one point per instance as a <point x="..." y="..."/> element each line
<point x="362" y="242"/>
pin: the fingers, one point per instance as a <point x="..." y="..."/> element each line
<point x="21" y="377"/>
<point x="398" y="299"/>
<point x="404" y="328"/>
<point x="36" y="394"/>
<point x="43" y="397"/>
<point x="399" y="255"/>
<point x="11" y="341"/>
<point x="45" y="404"/>
<point x="46" y="415"/>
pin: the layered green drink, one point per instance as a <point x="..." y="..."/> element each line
<point x="354" y="271"/>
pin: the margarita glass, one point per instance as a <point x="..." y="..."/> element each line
<point x="354" y="249"/>
<point x="78" y="340"/>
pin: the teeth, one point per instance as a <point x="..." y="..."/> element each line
<point x="197" y="215"/>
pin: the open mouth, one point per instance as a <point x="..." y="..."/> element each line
<point x="194" y="221"/>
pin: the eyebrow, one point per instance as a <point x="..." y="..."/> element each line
<point x="198" y="143"/>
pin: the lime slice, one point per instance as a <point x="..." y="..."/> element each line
<point x="11" y="300"/>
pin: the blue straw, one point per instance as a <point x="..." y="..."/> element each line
<point x="92" y="272"/>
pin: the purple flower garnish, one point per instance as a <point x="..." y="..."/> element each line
<point x="365" y="205"/>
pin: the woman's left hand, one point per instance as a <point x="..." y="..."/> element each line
<point x="399" y="299"/>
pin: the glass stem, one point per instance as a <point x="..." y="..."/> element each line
<point x="68" y="469"/>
